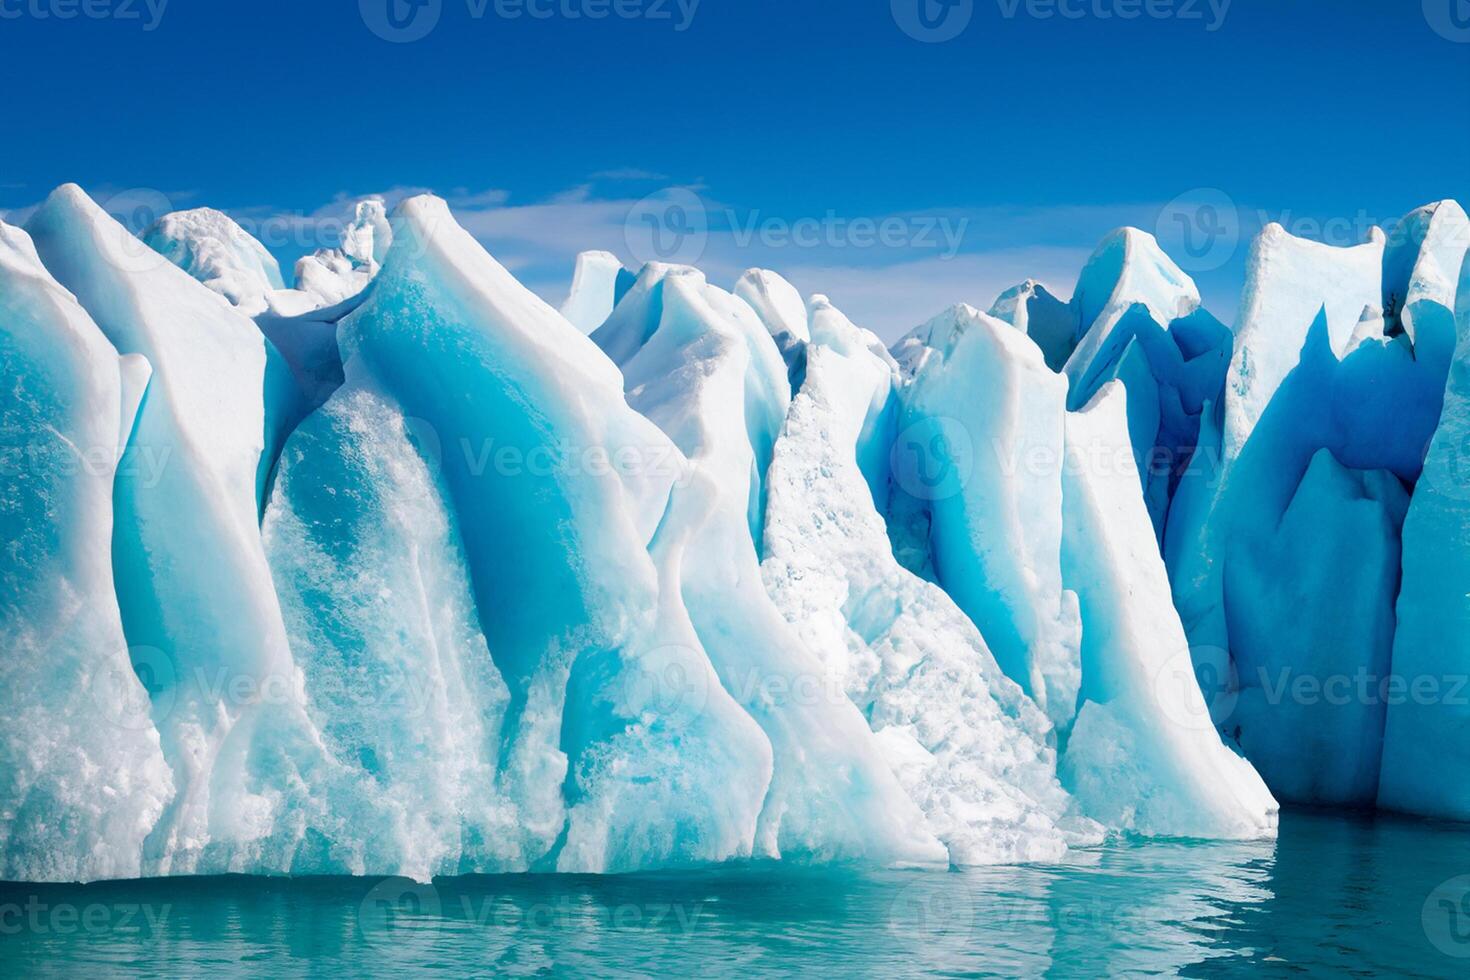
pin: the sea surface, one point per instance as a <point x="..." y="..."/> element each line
<point x="1333" y="896"/>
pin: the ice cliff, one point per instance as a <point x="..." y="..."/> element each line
<point x="402" y="570"/>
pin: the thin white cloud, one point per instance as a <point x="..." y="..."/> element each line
<point x="628" y="173"/>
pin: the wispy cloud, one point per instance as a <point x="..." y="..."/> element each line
<point x="628" y="173"/>
<point x="888" y="272"/>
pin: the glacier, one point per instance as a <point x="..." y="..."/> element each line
<point x="401" y="570"/>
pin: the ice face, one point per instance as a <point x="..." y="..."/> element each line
<point x="1127" y="269"/>
<point x="597" y="284"/>
<point x="980" y="442"/>
<point x="1318" y="484"/>
<point x="1422" y="742"/>
<point x="82" y="778"/>
<point x="966" y="744"/>
<point x="429" y="581"/>
<point x="1142" y="754"/>
<point x="1313" y="603"/>
<point x="192" y="580"/>
<point x="397" y="678"/>
<point x="1048" y="321"/>
<point x="708" y="372"/>
<point x="1288" y="281"/>
<point x="211" y="247"/>
<point x="621" y="749"/>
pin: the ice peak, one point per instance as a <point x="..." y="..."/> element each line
<point x="599" y="282"/>
<point x="1129" y="267"/>
<point x="213" y="248"/>
<point x="776" y="302"/>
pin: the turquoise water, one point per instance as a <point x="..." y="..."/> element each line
<point x="1333" y="896"/>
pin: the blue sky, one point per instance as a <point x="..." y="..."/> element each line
<point x="894" y="169"/>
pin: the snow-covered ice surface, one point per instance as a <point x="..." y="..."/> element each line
<point x="967" y="745"/>
<point x="401" y="570"/>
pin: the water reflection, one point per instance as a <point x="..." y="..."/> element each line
<point x="1332" y="894"/>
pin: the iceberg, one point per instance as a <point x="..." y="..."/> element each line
<point x="1151" y="335"/>
<point x="1137" y="756"/>
<point x="404" y="571"/>
<point x="598" y="283"/>
<point x="966" y="744"/>
<point x="1128" y="269"/>
<point x="1285" y="552"/>
<point x="620" y="751"/>
<point x="980" y="442"/>
<point x="193" y="585"/>
<point x="82" y="776"/>
<point x="1042" y="317"/>
<point x="1424" y="750"/>
<point x="708" y="372"/>
<point x="780" y="308"/>
<point x="1288" y="281"/>
<point x="210" y="246"/>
